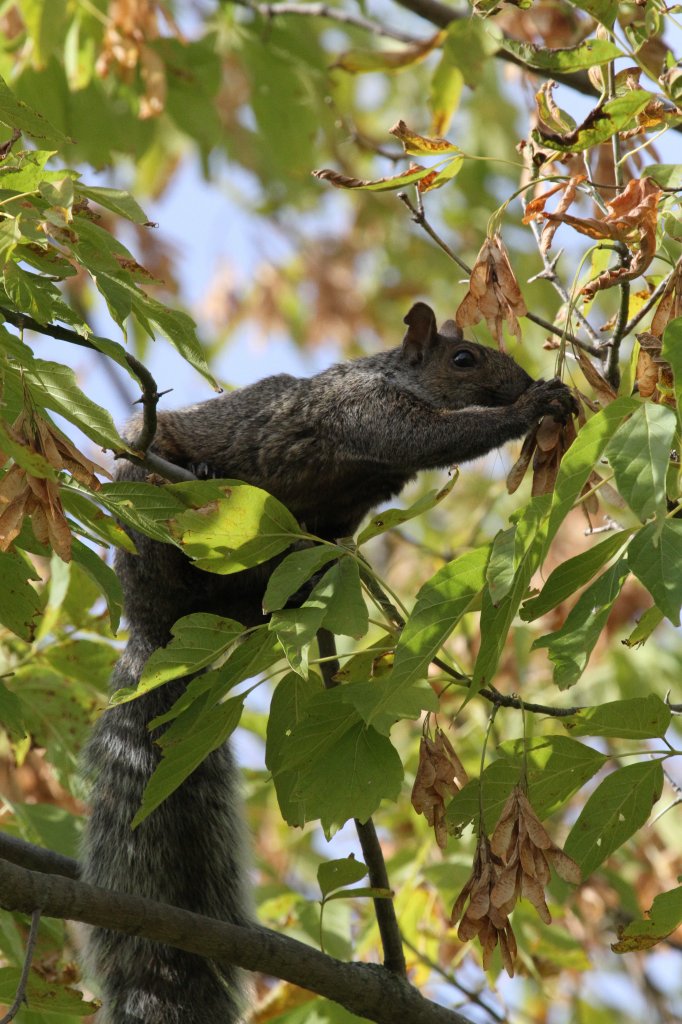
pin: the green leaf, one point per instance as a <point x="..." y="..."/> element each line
<point x="346" y="612"/>
<point x="662" y="920"/>
<point x="570" y="647"/>
<point x="444" y="93"/>
<point x="45" y="995"/>
<point x="604" y="11"/>
<point x="665" y="175"/>
<point x="53" y="386"/>
<point x="557" y="768"/>
<point x="245" y="527"/>
<point x="330" y="743"/>
<point x="16" y="114"/>
<point x="572" y="574"/>
<point x="655" y="557"/>
<point x="617" y="808"/>
<point x="144" y="507"/>
<point x="672" y="352"/>
<point x="635" y="719"/>
<point x="94" y="523"/>
<point x="287" y="710"/>
<point x="106" y="579"/>
<point x="336" y="874"/>
<point x="290" y="575"/>
<point x="531" y="529"/>
<point x="601" y="123"/>
<point x="11" y="713"/>
<point x="580" y="458"/>
<point x="590" y="53"/>
<point x="647" y="624"/>
<point x="639" y="453"/>
<point x="20" y="604"/>
<point x="198" y="640"/>
<point x="502" y="565"/>
<point x="185" y="744"/>
<point x="113" y="199"/>
<point x="392" y="517"/>
<point x="388" y="184"/>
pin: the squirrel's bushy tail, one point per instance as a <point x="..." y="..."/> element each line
<point x="188" y="852"/>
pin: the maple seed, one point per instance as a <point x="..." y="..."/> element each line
<point x="440" y="775"/>
<point x="494" y="293"/>
<point x="481" y="917"/>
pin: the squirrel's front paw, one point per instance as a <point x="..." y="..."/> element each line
<point x="549" y="398"/>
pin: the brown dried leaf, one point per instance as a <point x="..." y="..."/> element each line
<point x="518" y="470"/>
<point x="670" y="305"/>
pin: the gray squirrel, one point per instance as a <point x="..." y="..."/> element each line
<point x="330" y="447"/>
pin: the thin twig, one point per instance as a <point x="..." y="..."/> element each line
<point x="419" y="217"/>
<point x="391" y="940"/>
<point x="612" y="370"/>
<point x="470" y="994"/>
<point x="20" y="996"/>
<point x="320" y="10"/>
<point x="648" y="305"/>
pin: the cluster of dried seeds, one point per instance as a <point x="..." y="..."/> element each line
<point x="440" y="775"/>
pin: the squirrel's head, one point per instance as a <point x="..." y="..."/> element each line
<point x="456" y="372"/>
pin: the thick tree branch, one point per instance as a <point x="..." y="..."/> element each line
<point x="365" y="989"/>
<point x="391" y="939"/>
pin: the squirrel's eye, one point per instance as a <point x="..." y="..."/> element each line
<point x="464" y="358"/>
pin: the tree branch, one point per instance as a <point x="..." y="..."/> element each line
<point x="321" y="10"/>
<point x="365" y="989"/>
<point x="389" y="931"/>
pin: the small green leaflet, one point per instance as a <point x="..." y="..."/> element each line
<point x="662" y="920"/>
<point x="647" y="624"/>
<point x="604" y="11"/>
<point x="198" y="640"/>
<point x="142" y="506"/>
<point x="11" y="713"/>
<point x="570" y="647"/>
<point x="655" y="557"/>
<point x="103" y="576"/>
<point x="186" y="743"/>
<point x="114" y="199"/>
<point x="336" y="874"/>
<point x="587" y="54"/>
<point x="619" y="806"/>
<point x="639" y="453"/>
<point x="502" y="565"/>
<point x="635" y="719"/>
<point x="572" y="574"/>
<point x="666" y="175"/>
<point x="241" y="529"/>
<point x="392" y="517"/>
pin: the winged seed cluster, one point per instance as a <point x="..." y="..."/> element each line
<point x="440" y="775"/>
<point x="514" y="862"/>
<point x="24" y="494"/>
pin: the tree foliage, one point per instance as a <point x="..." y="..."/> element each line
<point x="446" y="143"/>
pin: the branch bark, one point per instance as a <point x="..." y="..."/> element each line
<point x="365" y="989"/>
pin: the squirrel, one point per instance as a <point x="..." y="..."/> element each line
<point x="330" y="447"/>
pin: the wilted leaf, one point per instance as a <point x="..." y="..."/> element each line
<point x="421" y="145"/>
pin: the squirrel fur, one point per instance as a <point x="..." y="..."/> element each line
<point x="330" y="447"/>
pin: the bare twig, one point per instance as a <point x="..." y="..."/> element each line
<point x="368" y="990"/>
<point x="612" y="370"/>
<point x="321" y="10"/>
<point x="419" y="217"/>
<point x="637" y="317"/>
<point x="391" y="940"/>
<point x="20" y="996"/>
<point x="451" y="979"/>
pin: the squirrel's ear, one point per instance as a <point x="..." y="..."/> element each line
<point x="421" y="331"/>
<point x="450" y="329"/>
